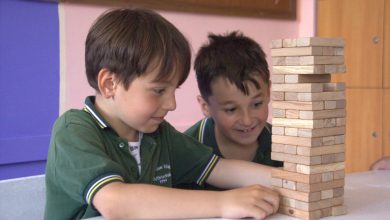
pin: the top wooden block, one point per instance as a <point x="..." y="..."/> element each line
<point x="307" y="42"/>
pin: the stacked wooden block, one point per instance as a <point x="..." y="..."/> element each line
<point x="308" y="126"/>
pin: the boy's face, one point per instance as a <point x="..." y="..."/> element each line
<point x="145" y="104"/>
<point x="239" y="118"/>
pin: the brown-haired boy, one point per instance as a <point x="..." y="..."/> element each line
<point x="118" y="157"/>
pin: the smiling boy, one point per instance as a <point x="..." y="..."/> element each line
<point x="234" y="83"/>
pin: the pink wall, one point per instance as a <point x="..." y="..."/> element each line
<point x="76" y="19"/>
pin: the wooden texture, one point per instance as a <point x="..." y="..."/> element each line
<point x="250" y="8"/>
<point x="386" y="122"/>
<point x="294" y="176"/>
<point x="358" y="21"/>
<point x="364" y="145"/>
<point x="308" y="127"/>
<point x="386" y="52"/>
<point x="319" y="105"/>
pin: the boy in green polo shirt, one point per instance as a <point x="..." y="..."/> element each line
<point x="119" y="158"/>
<point x="234" y="83"/>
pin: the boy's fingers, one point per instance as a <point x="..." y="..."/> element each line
<point x="272" y="197"/>
<point x="266" y="207"/>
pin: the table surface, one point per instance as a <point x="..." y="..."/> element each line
<point x="366" y="195"/>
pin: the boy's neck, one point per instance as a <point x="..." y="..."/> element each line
<point x="231" y="150"/>
<point x="103" y="106"/>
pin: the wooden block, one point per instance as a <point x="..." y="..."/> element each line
<point x="329" y="122"/>
<point x="277" y="96"/>
<point x="291" y="195"/>
<point x="333" y="87"/>
<point x="297" y="123"/>
<point x="298" y="69"/>
<point x="298" y="159"/>
<point x="305" y="142"/>
<point x="290" y="42"/>
<point x="291" y="96"/>
<point x="288" y="184"/>
<point x="320" y="41"/>
<point x="277" y="147"/>
<point x="340" y="121"/>
<point x="332" y="68"/>
<point x="286" y="61"/>
<point x="279" y="61"/>
<point x="276" y="43"/>
<point x="307" y="78"/>
<point x="276" y="182"/>
<point x="334" y="104"/>
<point x="278" y="113"/>
<point x="321" y="204"/>
<point x="326" y="141"/>
<point x="313" y="60"/>
<point x="277" y="78"/>
<point x="338" y="192"/>
<point x="328" y="51"/>
<point x="321" y="132"/>
<point x="318" y="105"/>
<point x="291" y="132"/>
<point x="316" y="187"/>
<point x="301" y="168"/>
<point x="292" y="113"/>
<point x="277" y="130"/>
<point x="339" y="174"/>
<point x="327" y="194"/>
<point x="298" y="87"/>
<point x="326" y="212"/>
<point x="290" y="149"/>
<point x="322" y="150"/>
<point x="339" y="51"/>
<point x="287" y="201"/>
<point x="328" y="176"/>
<point x="290" y="166"/>
<point x="339" y="210"/>
<point x="332" y="158"/>
<point x="321" y="96"/>
<point x="297" y="177"/>
<point x="299" y="213"/>
<point x="322" y="114"/>
<point x="339" y="139"/>
<point x="296" y="51"/>
<point x="285" y="69"/>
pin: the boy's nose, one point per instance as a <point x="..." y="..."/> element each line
<point x="246" y="118"/>
<point x="170" y="103"/>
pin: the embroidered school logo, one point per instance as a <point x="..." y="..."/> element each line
<point x="163" y="175"/>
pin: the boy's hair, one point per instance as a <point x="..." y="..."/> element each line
<point x="232" y="56"/>
<point x="128" y="41"/>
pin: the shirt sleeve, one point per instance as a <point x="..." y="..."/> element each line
<point x="192" y="162"/>
<point x="80" y="163"/>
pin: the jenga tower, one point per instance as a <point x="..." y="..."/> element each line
<point x="308" y="126"/>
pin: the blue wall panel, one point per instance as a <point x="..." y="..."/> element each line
<point x="29" y="84"/>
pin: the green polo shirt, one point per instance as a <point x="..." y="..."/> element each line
<point x="86" y="153"/>
<point x="203" y="131"/>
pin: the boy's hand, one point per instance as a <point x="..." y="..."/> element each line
<point x="253" y="201"/>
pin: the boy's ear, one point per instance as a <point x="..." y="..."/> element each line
<point x="107" y="83"/>
<point x="203" y="106"/>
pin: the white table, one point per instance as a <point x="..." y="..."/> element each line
<point x="366" y="195"/>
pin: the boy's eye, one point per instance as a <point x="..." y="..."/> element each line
<point x="229" y="110"/>
<point x="257" y="104"/>
<point x="159" y="91"/>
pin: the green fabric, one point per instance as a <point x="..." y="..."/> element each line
<point x="86" y="153"/>
<point x="263" y="153"/>
<point x="203" y="131"/>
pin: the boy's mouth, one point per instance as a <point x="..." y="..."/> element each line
<point x="247" y="130"/>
